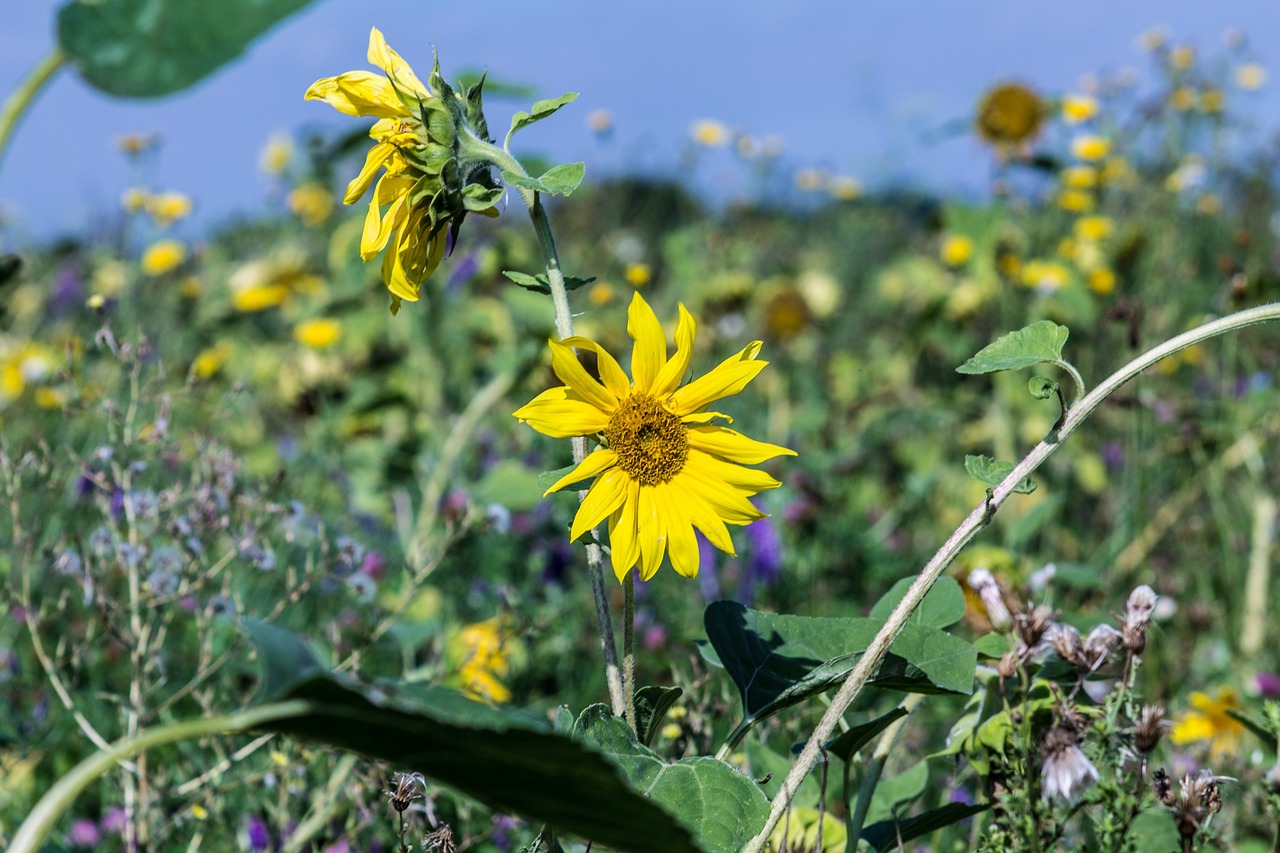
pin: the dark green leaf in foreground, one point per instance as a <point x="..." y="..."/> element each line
<point x="991" y="472"/>
<point x="722" y="807"/>
<point x="848" y="743"/>
<point x="778" y="660"/>
<point x="1035" y="344"/>
<point x="507" y="760"/>
<point x="652" y="704"/>
<point x="148" y="48"/>
<point x="889" y="834"/>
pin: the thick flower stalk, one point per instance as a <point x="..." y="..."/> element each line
<point x="428" y="178"/>
<point x="663" y="468"/>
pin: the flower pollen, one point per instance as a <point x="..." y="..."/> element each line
<point x="652" y="444"/>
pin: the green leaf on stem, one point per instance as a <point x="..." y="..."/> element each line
<point x="558" y="180"/>
<point x="652" y="704"/>
<point x="1264" y="734"/>
<point x="1035" y="344"/>
<point x="540" y="284"/>
<point x="942" y="607"/>
<point x="890" y="834"/>
<point x="894" y="795"/>
<point x="718" y="804"/>
<point x="149" y="48"/>
<point x="509" y="760"/>
<point x="848" y="743"/>
<point x="991" y="472"/>
<point x="538" y="112"/>
<point x="1042" y="387"/>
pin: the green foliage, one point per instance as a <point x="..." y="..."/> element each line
<point x="1037" y="343"/>
<point x="992" y="472"/>
<point x="149" y="48"/>
<point x="539" y="111"/>
<point x="558" y="180"/>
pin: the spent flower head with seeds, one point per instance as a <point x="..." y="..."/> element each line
<point x="663" y="467"/>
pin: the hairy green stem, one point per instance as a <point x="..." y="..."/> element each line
<point x="17" y="104"/>
<point x="564" y="327"/>
<point x="976" y="520"/>
<point x="59" y="798"/>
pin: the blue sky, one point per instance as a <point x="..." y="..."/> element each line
<point x="851" y="87"/>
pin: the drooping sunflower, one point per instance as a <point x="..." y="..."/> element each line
<point x="429" y="181"/>
<point x="663" y="468"/>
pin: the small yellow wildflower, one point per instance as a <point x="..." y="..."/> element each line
<point x="134" y="199"/>
<point x="163" y="256"/>
<point x="259" y="297"/>
<point x="956" y="251"/>
<point x="844" y="188"/>
<point x="710" y="133"/>
<point x="1153" y="39"/>
<point x="312" y="203"/>
<point x="50" y="398"/>
<point x="1102" y="281"/>
<point x="211" y="360"/>
<point x="484" y="661"/>
<point x="168" y="207"/>
<point x="601" y="293"/>
<point x="318" y="334"/>
<point x="1251" y="76"/>
<point x="1079" y="177"/>
<point x="1093" y="228"/>
<point x="199" y="812"/>
<point x="1077" y="109"/>
<point x="1044" y="275"/>
<point x="1075" y="201"/>
<point x="1090" y="148"/>
<point x="109" y="278"/>
<point x="1010" y="114"/>
<point x="1211" y="722"/>
<point x="1182" y="57"/>
<point x="638" y="274"/>
<point x="134" y="144"/>
<point x="1209" y="204"/>
<point x="276" y="154"/>
<point x="1182" y="99"/>
<point x="671" y="731"/>
<point x="810" y="179"/>
<point x="278" y="758"/>
<point x="665" y="468"/>
<point x="1212" y="101"/>
<point x="1117" y="172"/>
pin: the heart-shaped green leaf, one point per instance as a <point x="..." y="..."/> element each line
<point x="1040" y="342"/>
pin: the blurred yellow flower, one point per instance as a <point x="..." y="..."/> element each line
<point x="1079" y="108"/>
<point x="191" y="287"/>
<point x="601" y="293"/>
<point x="1209" y="204"/>
<point x="109" y="278"/>
<point x="163" y="256"/>
<point x="318" y="334"/>
<point x="638" y="274"/>
<point x="710" y="133"/>
<point x="1251" y="76"/>
<point x="1211" y="722"/>
<point x="956" y="250"/>
<point x="1154" y="38"/>
<point x="134" y="199"/>
<point x="50" y="398"/>
<point x="276" y="154"/>
<point x="263" y="284"/>
<point x="312" y="203"/>
<point x="199" y="812"/>
<point x="1182" y="99"/>
<point x="1102" y="281"/>
<point x="1044" y="275"/>
<point x="211" y="360"/>
<point x="133" y="144"/>
<point x="844" y="188"/>
<point x="1075" y="201"/>
<point x="1079" y="177"/>
<point x="168" y="207"/>
<point x="1009" y="114"/>
<point x="800" y="832"/>
<point x="484" y="661"/>
<point x="1093" y="227"/>
<point x="1212" y="100"/>
<point x="1090" y="147"/>
<point x="259" y="297"/>
<point x="600" y="121"/>
<point x="1182" y="57"/>
<point x="664" y="468"/>
<point x="810" y="179"/>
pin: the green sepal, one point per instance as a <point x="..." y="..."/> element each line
<point x="991" y="472"/>
<point x="475" y="108"/>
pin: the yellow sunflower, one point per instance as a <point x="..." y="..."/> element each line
<point x="1209" y="721"/>
<point x="663" y="467"/>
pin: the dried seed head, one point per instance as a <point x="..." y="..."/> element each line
<point x="1150" y="727"/>
<point x="984" y="584"/>
<point x="439" y="841"/>
<point x="1066" y="642"/>
<point x="1066" y="771"/>
<point x="1137" y="618"/>
<point x="1008" y="665"/>
<point x="1163" y="786"/>
<point x="1198" y="798"/>
<point x="1098" y="646"/>
<point x="406" y="787"/>
<point x="1032" y="626"/>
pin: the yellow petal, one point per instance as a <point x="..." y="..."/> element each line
<point x="378" y="229"/>
<point x="603" y="500"/>
<point x="682" y="545"/>
<point x="564" y="361"/>
<point x="372" y="163"/>
<point x="600" y="460"/>
<point x="673" y="371"/>
<point x="749" y="480"/>
<point x="727" y="379"/>
<point x="560" y="413"/>
<point x="381" y="55"/>
<point x="624" y="545"/>
<point x="651" y="532"/>
<point x="358" y="93"/>
<point x="734" y="446"/>
<point x="703" y="516"/>
<point x="611" y="373"/>
<point x="650" y="349"/>
<point x="730" y="503"/>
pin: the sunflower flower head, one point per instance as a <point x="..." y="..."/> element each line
<point x="663" y="467"/>
<point x="1010" y="115"/>
<point x="1210" y="721"/>
<point x="427" y="181"/>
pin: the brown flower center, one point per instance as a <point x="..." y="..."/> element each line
<point x="652" y="444"/>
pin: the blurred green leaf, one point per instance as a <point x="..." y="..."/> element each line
<point x="718" y="804"/>
<point x="10" y="266"/>
<point x="992" y="645"/>
<point x="539" y="283"/>
<point x="149" y="48"/>
<point x="943" y="604"/>
<point x="511" y="761"/>
<point x="1261" y="731"/>
<point x="991" y="472"/>
<point x="890" y="834"/>
<point x="894" y="794"/>
<point x="512" y="484"/>
<point x="1040" y="342"/>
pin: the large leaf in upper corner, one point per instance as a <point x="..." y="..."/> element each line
<point x="717" y="803"/>
<point x="778" y="660"/>
<point x="508" y="760"/>
<point x="148" y="48"/>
